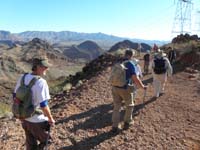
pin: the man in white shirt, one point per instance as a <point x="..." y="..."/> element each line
<point x="138" y="68"/>
<point x="36" y="127"/>
<point x="161" y="68"/>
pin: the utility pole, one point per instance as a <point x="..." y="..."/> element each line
<point x="182" y="19"/>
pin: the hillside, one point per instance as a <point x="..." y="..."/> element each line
<point x="129" y="44"/>
<point x="86" y="51"/>
<point x="16" y="60"/>
<point x="83" y="115"/>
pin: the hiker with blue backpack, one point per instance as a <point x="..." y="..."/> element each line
<point x="161" y="69"/>
<point x="123" y="80"/>
<point x="30" y="105"/>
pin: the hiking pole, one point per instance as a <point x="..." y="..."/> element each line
<point x="48" y="136"/>
<point x="145" y="94"/>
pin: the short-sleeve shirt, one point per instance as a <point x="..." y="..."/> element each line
<point x="130" y="71"/>
<point x="40" y="92"/>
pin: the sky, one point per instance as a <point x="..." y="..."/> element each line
<point x="142" y="19"/>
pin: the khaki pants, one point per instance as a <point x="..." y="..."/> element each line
<point x="159" y="81"/>
<point x="120" y="94"/>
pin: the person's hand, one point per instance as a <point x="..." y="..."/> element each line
<point x="51" y="122"/>
<point x="145" y="87"/>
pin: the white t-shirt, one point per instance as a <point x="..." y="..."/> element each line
<point x="40" y="92"/>
<point x="138" y="71"/>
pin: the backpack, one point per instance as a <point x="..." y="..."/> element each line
<point x="22" y="106"/>
<point x="159" y="66"/>
<point x="118" y="75"/>
<point x="172" y="55"/>
<point x="147" y="57"/>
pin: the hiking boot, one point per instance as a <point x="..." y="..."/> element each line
<point x="128" y="124"/>
<point x="115" y="130"/>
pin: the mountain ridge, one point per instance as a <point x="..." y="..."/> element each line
<point x="104" y="40"/>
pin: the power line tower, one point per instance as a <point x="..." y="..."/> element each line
<point x="182" y="19"/>
<point x="197" y="24"/>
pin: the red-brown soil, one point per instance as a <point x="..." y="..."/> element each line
<point x="170" y="122"/>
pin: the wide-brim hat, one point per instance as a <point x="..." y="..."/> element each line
<point x="161" y="53"/>
<point x="40" y="62"/>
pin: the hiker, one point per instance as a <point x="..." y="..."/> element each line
<point x="146" y="62"/>
<point x="126" y="93"/>
<point x="155" y="48"/>
<point x="139" y="49"/>
<point x="161" y="68"/>
<point x="171" y="55"/>
<point x="36" y="127"/>
<point x="137" y="68"/>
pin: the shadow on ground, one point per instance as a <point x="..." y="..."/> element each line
<point x="97" y="114"/>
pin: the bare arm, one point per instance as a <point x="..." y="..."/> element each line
<point x="138" y="82"/>
<point x="47" y="113"/>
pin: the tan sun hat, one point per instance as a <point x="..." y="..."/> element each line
<point x="161" y="53"/>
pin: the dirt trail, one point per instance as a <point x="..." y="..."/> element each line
<point x="170" y="122"/>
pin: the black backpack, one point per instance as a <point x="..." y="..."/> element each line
<point x="159" y="66"/>
<point x="147" y="57"/>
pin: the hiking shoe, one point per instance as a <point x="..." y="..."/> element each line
<point x="115" y="130"/>
<point x="157" y="95"/>
<point x="128" y="124"/>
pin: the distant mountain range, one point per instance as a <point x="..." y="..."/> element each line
<point x="70" y="38"/>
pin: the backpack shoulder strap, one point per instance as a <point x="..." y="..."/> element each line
<point x="23" y="78"/>
<point x="126" y="61"/>
<point x="32" y="82"/>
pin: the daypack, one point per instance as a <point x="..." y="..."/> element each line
<point x="118" y="75"/>
<point x="172" y="55"/>
<point x="22" y="106"/>
<point x="147" y="57"/>
<point x="159" y="66"/>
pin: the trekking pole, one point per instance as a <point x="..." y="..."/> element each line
<point x="47" y="141"/>
<point x="145" y="94"/>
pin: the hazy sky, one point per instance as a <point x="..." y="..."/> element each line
<point x="146" y="19"/>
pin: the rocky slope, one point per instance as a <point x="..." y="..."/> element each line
<point x="83" y="117"/>
<point x="17" y="60"/>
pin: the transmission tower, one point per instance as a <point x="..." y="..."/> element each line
<point x="197" y="25"/>
<point x="182" y="19"/>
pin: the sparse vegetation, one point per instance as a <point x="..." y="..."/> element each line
<point x="4" y="109"/>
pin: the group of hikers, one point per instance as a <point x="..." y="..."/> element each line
<point x="33" y="86"/>
<point x="160" y="67"/>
